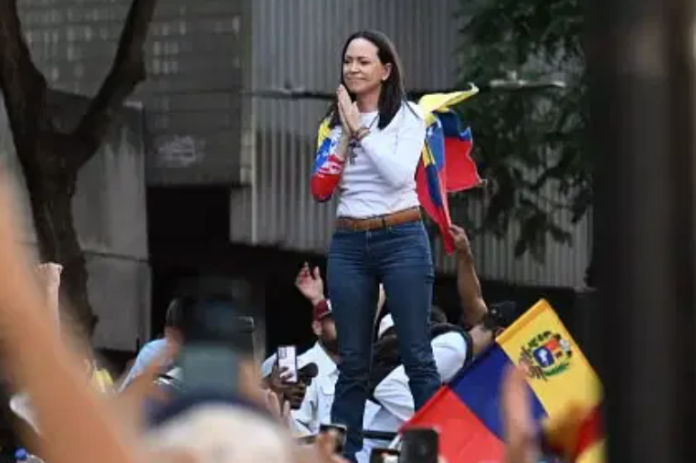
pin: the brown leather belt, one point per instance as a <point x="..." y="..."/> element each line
<point x="382" y="221"/>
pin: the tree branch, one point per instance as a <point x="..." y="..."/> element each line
<point x="127" y="71"/>
<point x="22" y="84"/>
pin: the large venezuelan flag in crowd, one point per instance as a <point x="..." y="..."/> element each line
<point x="564" y="389"/>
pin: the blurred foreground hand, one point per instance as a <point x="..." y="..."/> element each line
<point x="323" y="450"/>
<point x="521" y="445"/>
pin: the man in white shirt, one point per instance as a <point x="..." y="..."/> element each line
<point x="311" y="285"/>
<point x="316" y="406"/>
<point x="317" y="353"/>
<point x="391" y="403"/>
<point x="323" y="354"/>
<point x="309" y="411"/>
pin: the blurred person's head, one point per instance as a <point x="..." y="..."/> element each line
<point x="220" y="320"/>
<point x="324" y="327"/>
<point x="211" y="329"/>
<point x="207" y="418"/>
<point x="218" y="432"/>
<point x="371" y="70"/>
<point x="499" y="316"/>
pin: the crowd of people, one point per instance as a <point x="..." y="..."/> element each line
<point x="390" y="403"/>
<point x="152" y="414"/>
<point x="201" y="394"/>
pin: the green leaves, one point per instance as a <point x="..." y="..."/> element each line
<point x="530" y="142"/>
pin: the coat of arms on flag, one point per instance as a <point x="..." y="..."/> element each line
<point x="565" y="395"/>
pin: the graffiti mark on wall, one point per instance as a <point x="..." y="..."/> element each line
<point x="180" y="151"/>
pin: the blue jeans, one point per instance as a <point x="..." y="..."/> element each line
<point x="398" y="257"/>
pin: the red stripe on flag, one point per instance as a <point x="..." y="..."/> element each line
<point x="589" y="432"/>
<point x="464" y="438"/>
<point x="461" y="172"/>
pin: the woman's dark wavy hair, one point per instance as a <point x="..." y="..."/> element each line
<point x="393" y="93"/>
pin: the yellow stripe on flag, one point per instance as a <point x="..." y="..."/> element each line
<point x="441" y="101"/>
<point x="557" y="370"/>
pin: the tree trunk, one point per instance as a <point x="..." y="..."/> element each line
<point x="51" y="159"/>
<point x="50" y="195"/>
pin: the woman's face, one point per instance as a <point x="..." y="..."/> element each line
<point x="363" y="72"/>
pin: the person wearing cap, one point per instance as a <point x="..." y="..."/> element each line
<point x="391" y="403"/>
<point x="324" y="351"/>
<point x="310" y="284"/>
<point x="315" y="408"/>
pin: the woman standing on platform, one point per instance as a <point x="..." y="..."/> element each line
<point x="370" y="159"/>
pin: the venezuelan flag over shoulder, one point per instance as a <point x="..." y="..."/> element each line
<point x="565" y="395"/>
<point x="446" y="165"/>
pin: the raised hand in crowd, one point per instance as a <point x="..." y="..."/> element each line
<point x="278" y="407"/>
<point x="275" y="382"/>
<point x="92" y="433"/>
<point x="521" y="445"/>
<point x="310" y="284"/>
<point x="472" y="303"/>
<point x="461" y="240"/>
<point x="323" y="450"/>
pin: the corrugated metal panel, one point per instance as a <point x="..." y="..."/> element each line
<point x="563" y="265"/>
<point x="298" y="43"/>
<point x="119" y="290"/>
<point x="195" y="60"/>
<point x="109" y="210"/>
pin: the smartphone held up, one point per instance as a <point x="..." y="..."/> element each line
<point x="287" y="363"/>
